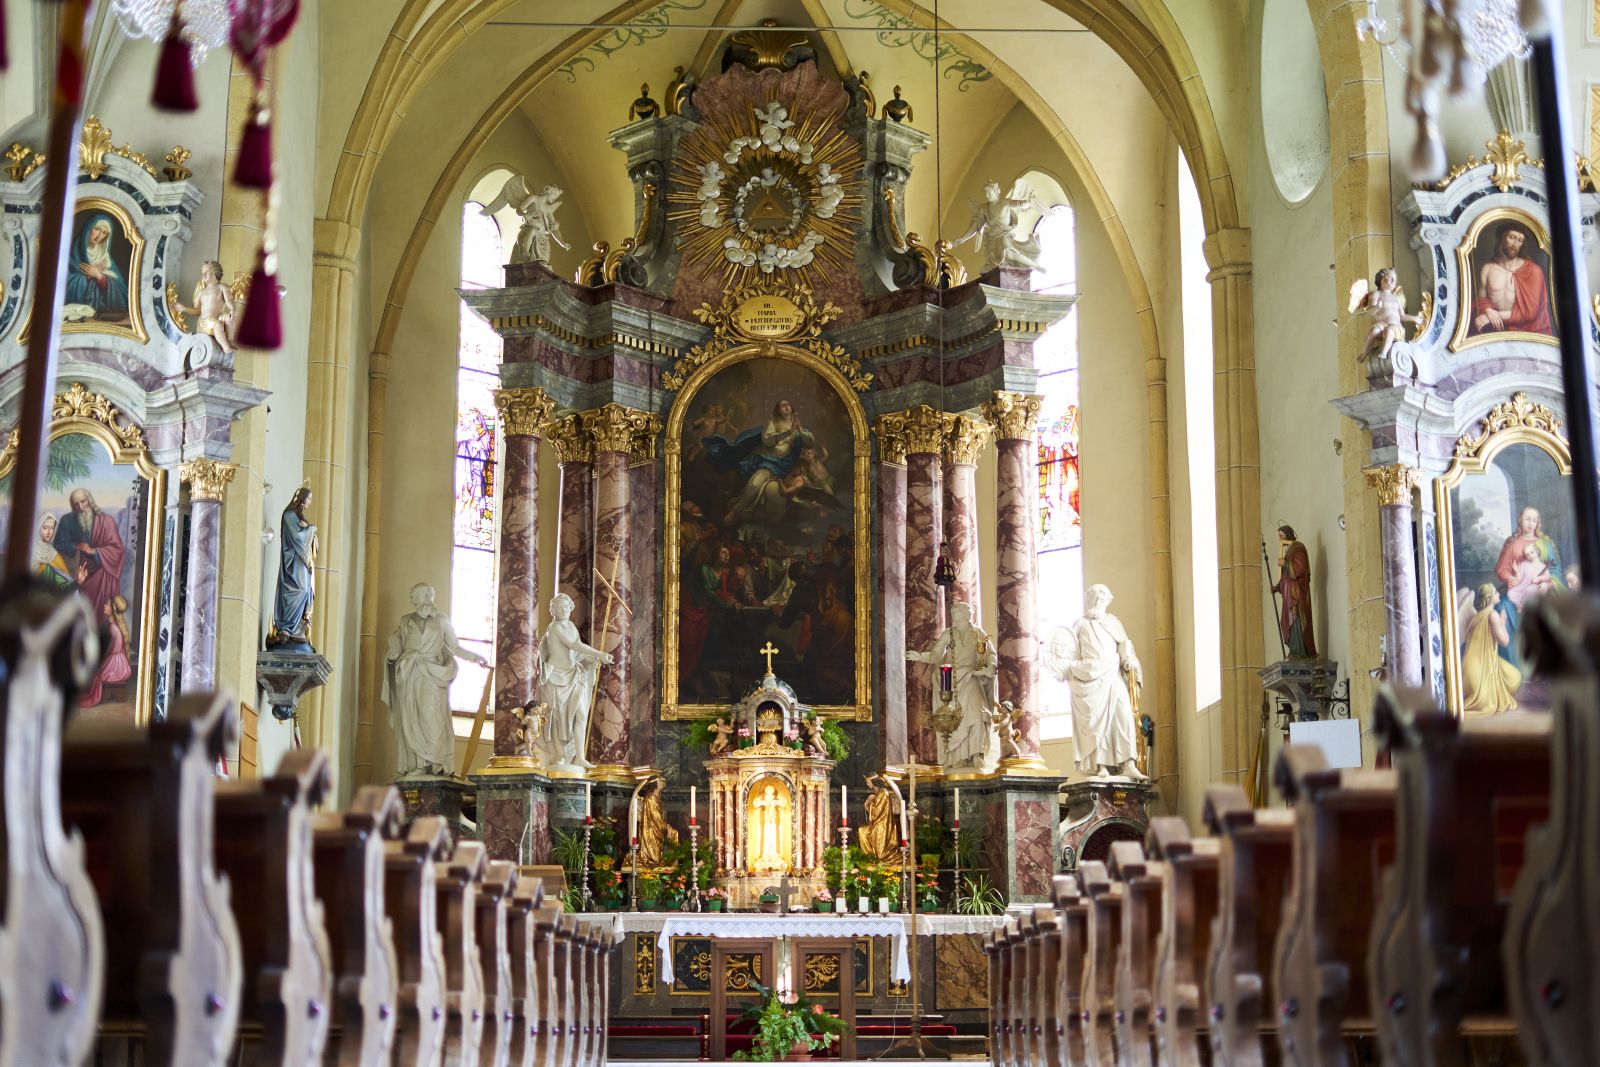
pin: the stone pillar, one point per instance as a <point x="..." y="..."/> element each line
<point x="965" y="440"/>
<point x="1013" y="416"/>
<point x="924" y="429"/>
<point x="619" y="433"/>
<point x="208" y="481"/>
<point x="642" y="486"/>
<point x="1402" y="630"/>
<point x="575" y="526"/>
<point x="891" y="528"/>
<point x="523" y="413"/>
<point x="1238" y="464"/>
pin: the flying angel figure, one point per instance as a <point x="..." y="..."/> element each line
<point x="1385" y="301"/>
<point x="998" y="229"/>
<point x="538" y="214"/>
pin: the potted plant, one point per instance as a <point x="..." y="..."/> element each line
<point x="978" y="897"/>
<point x="788" y="1027"/>
<point x="649" y="892"/>
<point x="715" y="898"/>
<point x="862" y="880"/>
<point x="769" y="900"/>
<point x="823" y="901"/>
<point x="928" y="886"/>
<point x="933" y="838"/>
<point x="607" y="882"/>
<point x="888" y="891"/>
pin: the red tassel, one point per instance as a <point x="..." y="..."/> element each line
<point x="254" y="168"/>
<point x="4" y="60"/>
<point x="175" y="72"/>
<point x="262" y="326"/>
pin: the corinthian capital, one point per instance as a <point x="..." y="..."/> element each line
<point x="1013" y="415"/>
<point x="891" y="429"/>
<point x="924" y="429"/>
<point x="523" y="411"/>
<point x="615" y="428"/>
<point x="571" y="440"/>
<point x="1394" y="483"/>
<point x="965" y="438"/>
<point x="208" y="479"/>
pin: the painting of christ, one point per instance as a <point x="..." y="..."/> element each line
<point x="1506" y="268"/>
<point x="767" y="535"/>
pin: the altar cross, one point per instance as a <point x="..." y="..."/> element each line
<point x="768" y="652"/>
<point x="783" y="888"/>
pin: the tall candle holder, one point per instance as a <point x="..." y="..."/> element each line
<point x="694" y="864"/>
<point x="844" y="863"/>
<point x="585" y="894"/>
<point x="633" y="862"/>
<point x="955" y="847"/>
<point x="905" y="870"/>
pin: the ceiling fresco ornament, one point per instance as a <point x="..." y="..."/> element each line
<point x="768" y="313"/>
<point x="641" y="27"/>
<point x="902" y="31"/>
<point x="766" y="192"/>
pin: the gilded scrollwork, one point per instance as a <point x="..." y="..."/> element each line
<point x="615" y="428"/>
<point x="644" y="964"/>
<point x="965" y="439"/>
<point x="95" y="145"/>
<point x="175" y="309"/>
<point x="523" y="412"/>
<point x="1519" y="411"/>
<point x="891" y="431"/>
<point x="567" y="436"/>
<point x="731" y="326"/>
<point x="78" y="403"/>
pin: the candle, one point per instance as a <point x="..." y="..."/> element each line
<point x="958" y="806"/>
<point x="691" y="805"/>
<point x="844" y="808"/>
<point x="588" y="798"/>
<point x="946" y="679"/>
<point x="633" y="821"/>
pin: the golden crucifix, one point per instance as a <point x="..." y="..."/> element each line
<point x="768" y="652"/>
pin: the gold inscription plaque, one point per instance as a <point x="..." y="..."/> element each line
<point x="769" y="317"/>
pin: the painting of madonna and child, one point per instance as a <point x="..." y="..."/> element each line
<point x="90" y="537"/>
<point x="1513" y="542"/>
<point x="767" y="535"/>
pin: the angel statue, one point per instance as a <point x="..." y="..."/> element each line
<point x="538" y="213"/>
<point x="998" y="222"/>
<point x="1386" y="303"/>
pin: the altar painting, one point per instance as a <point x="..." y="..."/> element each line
<point x="102" y="273"/>
<point x="1507" y="539"/>
<point x="97" y="533"/>
<point x="1504" y="270"/>
<point x="767" y="535"/>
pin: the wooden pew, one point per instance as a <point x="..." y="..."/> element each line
<point x="411" y="900"/>
<point x="1343" y="844"/>
<point x="351" y="853"/>
<point x="1142" y="913"/>
<point x="1047" y="978"/>
<point x="494" y="956"/>
<point x="525" y="899"/>
<point x="1006" y="938"/>
<point x="990" y="943"/>
<point x="1025" y="971"/>
<point x="1073" y="910"/>
<point x="52" y="943"/>
<point x="1254" y="870"/>
<point x="142" y="798"/>
<point x="1466" y="791"/>
<point x="597" y="995"/>
<point x="263" y="844"/>
<point x="547" y="921"/>
<point x="456" y="883"/>
<point x="1188" y="868"/>
<point x="562" y="1028"/>
<point x="1552" y="936"/>
<point x="1105" y="898"/>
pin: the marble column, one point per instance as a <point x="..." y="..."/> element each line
<point x="1013" y="416"/>
<point x="208" y="481"/>
<point x="523" y="413"/>
<point x="575" y="525"/>
<point x="618" y="433"/>
<point x="924" y="438"/>
<point x="642" y="520"/>
<point x="965" y="440"/>
<point x="891" y="528"/>
<point x="1402" y="630"/>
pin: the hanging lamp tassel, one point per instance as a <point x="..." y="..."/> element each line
<point x="254" y="168"/>
<point x="262" y="326"/>
<point x="175" y="70"/>
<point x="4" y="61"/>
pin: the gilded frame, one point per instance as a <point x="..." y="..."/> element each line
<point x="126" y="447"/>
<point x="135" y="329"/>
<point x="1460" y="339"/>
<point x="1475" y="453"/>
<point x="861" y="710"/>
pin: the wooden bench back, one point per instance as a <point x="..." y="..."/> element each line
<point x="411" y="899"/>
<point x="1142" y="913"/>
<point x="1073" y="910"/>
<point x="1105" y="897"/>
<point x="1189" y="903"/>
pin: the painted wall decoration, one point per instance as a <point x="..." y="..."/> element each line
<point x="767" y="534"/>
<point x="1504" y="264"/>
<point x="1506" y="539"/>
<point x="98" y="533"/>
<point x="103" y="271"/>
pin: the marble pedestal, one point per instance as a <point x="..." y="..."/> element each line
<point x="1017" y="822"/>
<point x="1302" y="687"/>
<point x="518" y="810"/>
<point x="433" y="794"/>
<point x="1102" y="811"/>
<point x="287" y="676"/>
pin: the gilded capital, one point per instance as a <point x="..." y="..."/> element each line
<point x="1012" y="415"/>
<point x="523" y="411"/>
<point x="615" y="428"/>
<point x="965" y="439"/>
<point x="571" y="441"/>
<point x="925" y="429"/>
<point x="891" y="429"/>
<point x="1394" y="483"/>
<point x="208" y="479"/>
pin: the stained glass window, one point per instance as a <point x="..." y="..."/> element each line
<point x="1060" y="512"/>
<point x="472" y="564"/>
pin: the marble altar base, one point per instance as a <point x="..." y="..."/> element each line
<point x="432" y="794"/>
<point x="1101" y="811"/>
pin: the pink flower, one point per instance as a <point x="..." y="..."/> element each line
<point x="791" y="734"/>
<point x="788" y="997"/>
<point x="816" y="1009"/>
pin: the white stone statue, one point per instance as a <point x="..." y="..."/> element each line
<point x="566" y="686"/>
<point x="966" y="648"/>
<point x="538" y="212"/>
<point x="1098" y="664"/>
<point x="419" y="666"/>
<point x="998" y="230"/>
<point x="829" y="195"/>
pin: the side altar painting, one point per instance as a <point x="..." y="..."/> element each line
<point x="1506" y="539"/>
<point x="102" y="269"/>
<point x="1504" y="262"/>
<point x="767" y="500"/>
<point x="98" y="533"/>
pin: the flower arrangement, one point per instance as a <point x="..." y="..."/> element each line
<point x="823" y="901"/>
<point x="823" y="894"/>
<point x="928" y="886"/>
<point x="607" y="879"/>
<point x="649" y="890"/>
<point x="786" y="1023"/>
<point x="743" y="734"/>
<point x="791" y="737"/>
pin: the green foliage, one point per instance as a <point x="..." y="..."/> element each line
<point x="832" y="861"/>
<point x="69" y="460"/>
<point x="933" y="838"/>
<point x="971" y="851"/>
<point x="699" y="732"/>
<point x="571" y="899"/>
<point x="978" y="897"/>
<point x="781" y="1026"/>
<point x="835" y="740"/>
<point x="649" y="887"/>
<point x="566" y="849"/>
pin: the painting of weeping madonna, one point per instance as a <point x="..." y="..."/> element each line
<point x="1506" y="540"/>
<point x="767" y="535"/>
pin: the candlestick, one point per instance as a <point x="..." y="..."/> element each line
<point x="694" y="858"/>
<point x="633" y="820"/>
<point x="633" y="862"/>
<point x="844" y="808"/>
<point x="588" y="798"/>
<point x="957" y="805"/>
<point x="585" y="894"/>
<point x="692" y="812"/>
<point x="844" y="864"/>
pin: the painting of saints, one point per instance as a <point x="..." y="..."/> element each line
<point x="92" y="546"/>
<point x="1488" y="682"/>
<point x="48" y="564"/>
<point x="98" y="269"/>
<point x="1510" y="290"/>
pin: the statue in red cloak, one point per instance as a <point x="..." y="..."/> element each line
<point x="89" y="542"/>
<point x="1294" y="587"/>
<point x="1512" y="294"/>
